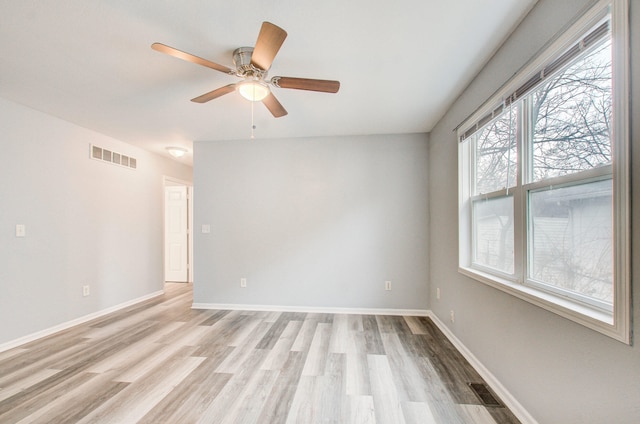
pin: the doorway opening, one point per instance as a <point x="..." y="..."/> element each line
<point x="178" y="221"/>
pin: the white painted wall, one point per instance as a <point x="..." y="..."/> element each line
<point x="314" y="222"/>
<point x="560" y="371"/>
<point x="87" y="222"/>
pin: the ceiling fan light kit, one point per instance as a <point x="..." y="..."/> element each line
<point x="253" y="90"/>
<point x="252" y="65"/>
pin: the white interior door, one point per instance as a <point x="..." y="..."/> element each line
<point x="176" y="236"/>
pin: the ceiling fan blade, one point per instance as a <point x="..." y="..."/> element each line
<point x="274" y="106"/>
<point x="218" y="92"/>
<point x="325" y="86"/>
<point x="269" y="42"/>
<point x="162" y="48"/>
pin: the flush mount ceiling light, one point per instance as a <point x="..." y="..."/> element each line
<point x="177" y="152"/>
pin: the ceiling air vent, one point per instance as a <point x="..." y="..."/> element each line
<point x="115" y="158"/>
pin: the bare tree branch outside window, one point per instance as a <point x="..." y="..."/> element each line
<point x="570" y="239"/>
<point x="572" y="117"/>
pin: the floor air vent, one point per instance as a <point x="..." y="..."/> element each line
<point x="115" y="158"/>
<point x="484" y="394"/>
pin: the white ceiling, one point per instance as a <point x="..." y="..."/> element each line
<point x="400" y="63"/>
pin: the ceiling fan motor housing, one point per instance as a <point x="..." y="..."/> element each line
<point x="242" y="62"/>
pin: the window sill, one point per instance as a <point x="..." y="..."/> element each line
<point x="596" y="320"/>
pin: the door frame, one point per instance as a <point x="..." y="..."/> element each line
<point x="171" y="181"/>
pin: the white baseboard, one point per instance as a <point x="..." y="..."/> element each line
<point x="510" y="401"/>
<point x="313" y="309"/>
<point x="65" y="325"/>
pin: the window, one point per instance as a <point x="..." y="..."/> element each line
<point x="544" y="178"/>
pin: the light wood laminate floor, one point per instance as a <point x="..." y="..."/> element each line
<point x="162" y="362"/>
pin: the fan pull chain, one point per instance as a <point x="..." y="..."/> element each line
<point x="253" y="127"/>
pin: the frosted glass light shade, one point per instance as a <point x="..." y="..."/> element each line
<point x="253" y="90"/>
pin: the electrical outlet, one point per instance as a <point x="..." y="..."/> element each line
<point x="387" y="285"/>
<point x="438" y="293"/>
<point x="85" y="291"/>
<point x="452" y="315"/>
<point x="243" y="282"/>
<point x="21" y="230"/>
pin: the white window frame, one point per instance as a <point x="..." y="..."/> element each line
<point x="615" y="324"/>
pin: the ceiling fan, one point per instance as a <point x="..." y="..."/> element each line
<point x="252" y="65"/>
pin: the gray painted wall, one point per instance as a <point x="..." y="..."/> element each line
<point x="309" y="222"/>
<point x="313" y="222"/>
<point x="560" y="371"/>
<point x="87" y="222"/>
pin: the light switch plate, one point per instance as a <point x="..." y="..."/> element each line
<point x="206" y="228"/>
<point x="21" y="230"/>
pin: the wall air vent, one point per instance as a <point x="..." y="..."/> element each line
<point x="105" y="155"/>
